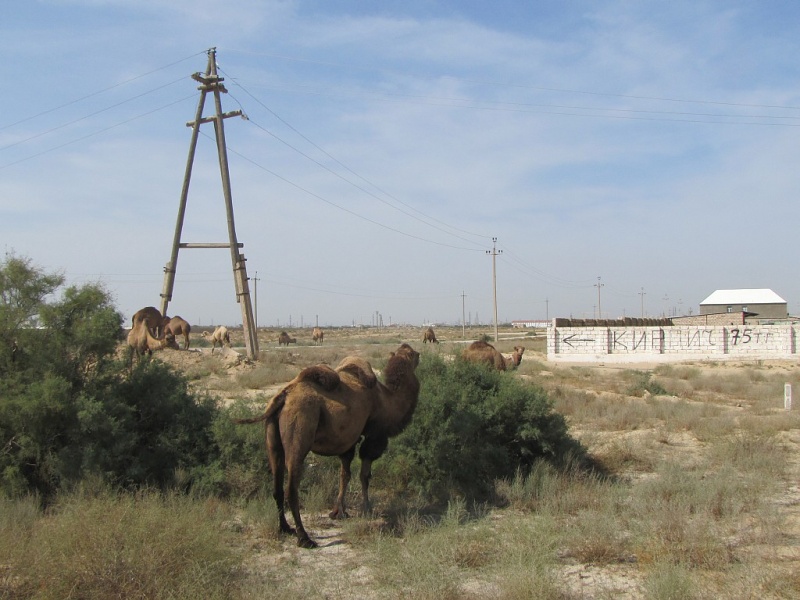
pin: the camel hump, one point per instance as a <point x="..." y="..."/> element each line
<point x="322" y="375"/>
<point x="360" y="369"/>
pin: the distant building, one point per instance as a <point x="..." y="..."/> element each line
<point x="541" y="323"/>
<point x="758" y="304"/>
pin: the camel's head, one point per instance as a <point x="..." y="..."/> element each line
<point x="170" y="342"/>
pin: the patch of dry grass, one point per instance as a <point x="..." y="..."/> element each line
<point x="119" y="546"/>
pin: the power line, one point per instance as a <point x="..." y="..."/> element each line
<point x="98" y="132"/>
<point x="340" y="163"/>
<point x="90" y="115"/>
<point x="342" y="208"/>
<point x="98" y="92"/>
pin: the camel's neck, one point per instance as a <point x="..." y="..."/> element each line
<point x="395" y="409"/>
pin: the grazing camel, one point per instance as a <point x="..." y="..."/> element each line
<point x="330" y="412"/>
<point x="153" y="315"/>
<point x="141" y="340"/>
<point x="176" y="326"/>
<point x="512" y="360"/>
<point x="220" y="336"/>
<point x="429" y="336"/>
<point x="481" y="352"/>
<point x="284" y="338"/>
<point x="318" y="335"/>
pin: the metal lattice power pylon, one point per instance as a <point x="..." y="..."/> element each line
<point x="211" y="82"/>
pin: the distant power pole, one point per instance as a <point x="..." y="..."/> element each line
<point x="463" y="317"/>
<point x="494" y="252"/>
<point x="642" y="294"/>
<point x="598" y="285"/>
<point x="255" y="299"/>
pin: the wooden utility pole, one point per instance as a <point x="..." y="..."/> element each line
<point x="210" y="81"/>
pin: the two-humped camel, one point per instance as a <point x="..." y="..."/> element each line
<point x="483" y="352"/>
<point x="154" y="318"/>
<point x="328" y="411"/>
<point x="317" y="335"/>
<point x="284" y="338"/>
<point x="220" y="336"/>
<point x="141" y="340"/>
<point x="175" y="326"/>
<point x="429" y="336"/>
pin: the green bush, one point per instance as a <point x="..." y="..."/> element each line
<point x="473" y="426"/>
<point x="69" y="410"/>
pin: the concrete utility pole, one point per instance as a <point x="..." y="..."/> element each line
<point x="598" y="285"/>
<point x="211" y="82"/>
<point x="642" y="294"/>
<point x="463" y="317"/>
<point x="494" y="252"/>
<point x="255" y="298"/>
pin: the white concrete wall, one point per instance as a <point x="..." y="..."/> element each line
<point x="671" y="344"/>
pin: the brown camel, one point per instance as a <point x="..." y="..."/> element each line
<point x="481" y="352"/>
<point x="176" y="326"/>
<point x="141" y="340"/>
<point x="318" y="335"/>
<point x="153" y="315"/>
<point x="512" y="360"/>
<point x="220" y="336"/>
<point x="284" y="338"/>
<point x="429" y="336"/>
<point x="330" y="412"/>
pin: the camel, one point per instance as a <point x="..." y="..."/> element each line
<point x="153" y="315"/>
<point x="284" y="338"/>
<point x="220" y="336"/>
<point x="175" y="326"/>
<point x="330" y="412"/>
<point x="481" y="352"/>
<point x="141" y="340"/>
<point x="512" y="360"/>
<point x="429" y="336"/>
<point x="317" y="335"/>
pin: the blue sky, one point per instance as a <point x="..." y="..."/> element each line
<point x="651" y="145"/>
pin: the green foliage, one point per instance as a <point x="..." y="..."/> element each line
<point x="144" y="428"/>
<point x="241" y="468"/>
<point x="68" y="410"/>
<point x="473" y="426"/>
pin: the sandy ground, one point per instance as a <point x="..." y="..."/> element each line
<point x="585" y="581"/>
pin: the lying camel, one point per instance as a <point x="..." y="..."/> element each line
<point x="220" y="336"/>
<point x="284" y="338"/>
<point x="330" y="412"/>
<point x="481" y="352"/>
<point x="176" y="326"/>
<point x="141" y="341"/>
<point x="429" y="336"/>
<point x="317" y="335"/>
<point x="153" y="315"/>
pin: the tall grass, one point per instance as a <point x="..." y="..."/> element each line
<point x="118" y="546"/>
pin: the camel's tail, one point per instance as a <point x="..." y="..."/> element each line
<point x="273" y="406"/>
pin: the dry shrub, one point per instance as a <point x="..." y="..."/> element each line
<point x="675" y="386"/>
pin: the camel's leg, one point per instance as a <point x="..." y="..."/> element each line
<point x="366" y="475"/>
<point x="277" y="464"/>
<point x="298" y="435"/>
<point x="372" y="448"/>
<point x="339" y="511"/>
<point x="295" y="471"/>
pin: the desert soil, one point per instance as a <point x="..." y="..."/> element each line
<point x="335" y="555"/>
